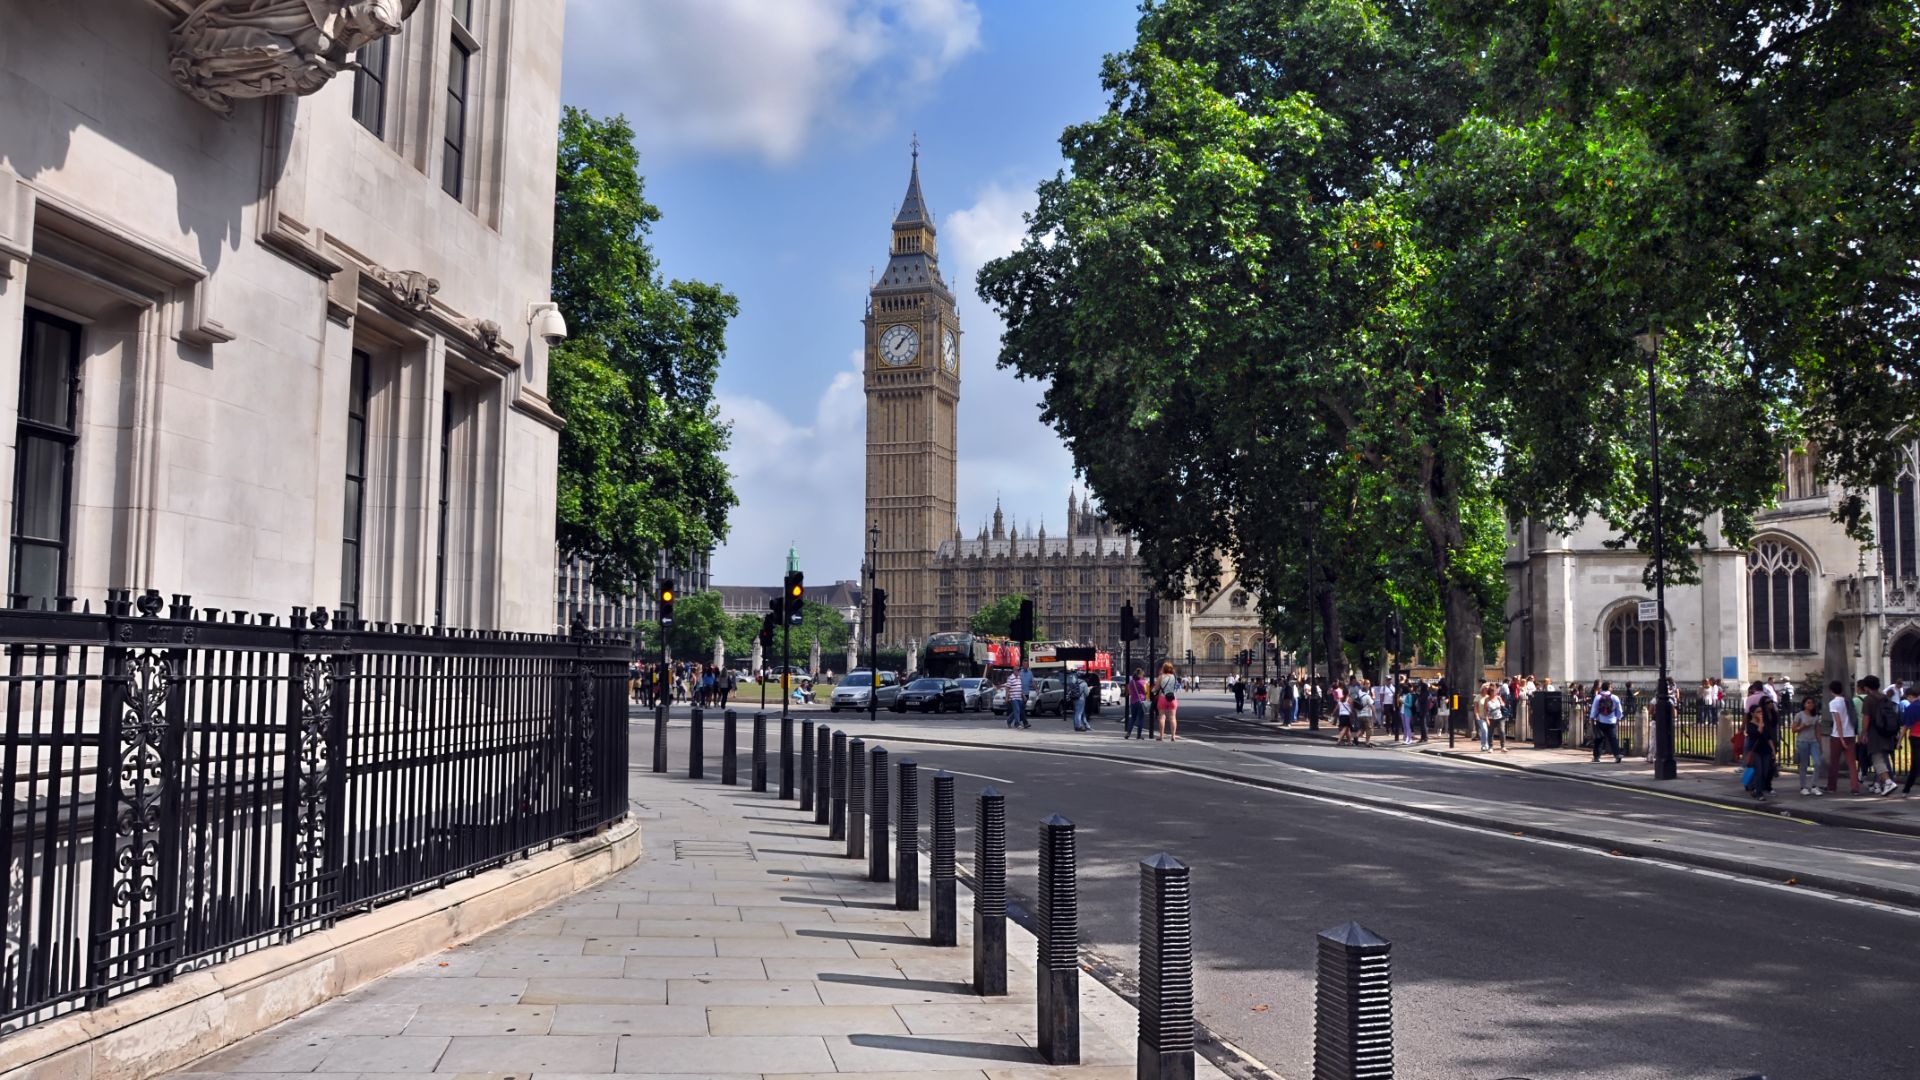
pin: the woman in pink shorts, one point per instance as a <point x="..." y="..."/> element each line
<point x="1164" y="703"/>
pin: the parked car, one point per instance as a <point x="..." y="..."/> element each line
<point x="980" y="693"/>
<point x="1110" y="692"/>
<point x="852" y="691"/>
<point x="1049" y="696"/>
<point x="931" y="695"/>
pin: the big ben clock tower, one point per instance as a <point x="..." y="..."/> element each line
<point x="913" y="392"/>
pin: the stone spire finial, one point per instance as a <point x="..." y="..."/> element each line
<point x="999" y="521"/>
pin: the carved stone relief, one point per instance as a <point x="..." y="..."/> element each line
<point x="228" y="49"/>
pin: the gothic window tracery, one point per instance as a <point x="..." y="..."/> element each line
<point x="1780" y="616"/>
<point x="1630" y="642"/>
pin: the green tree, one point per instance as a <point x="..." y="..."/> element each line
<point x="697" y="619"/>
<point x="996" y="618"/>
<point x="640" y="469"/>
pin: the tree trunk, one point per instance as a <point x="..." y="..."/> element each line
<point x="1330" y="639"/>
<point x="1440" y="518"/>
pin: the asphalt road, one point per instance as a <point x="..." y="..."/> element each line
<point x="1512" y="958"/>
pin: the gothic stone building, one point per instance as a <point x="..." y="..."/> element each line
<point x="273" y="323"/>
<point x="1802" y="601"/>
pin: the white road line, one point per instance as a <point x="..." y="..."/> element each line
<point x="981" y="776"/>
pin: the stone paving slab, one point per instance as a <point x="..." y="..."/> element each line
<point x="775" y="960"/>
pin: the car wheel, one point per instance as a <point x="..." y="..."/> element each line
<point x="939" y="706"/>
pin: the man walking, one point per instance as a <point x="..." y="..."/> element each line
<point x="1077" y="696"/>
<point x="1605" y="713"/>
<point x="1910" y="717"/>
<point x="1017" y="686"/>
<point x="1881" y="719"/>
<point x="1239" y="692"/>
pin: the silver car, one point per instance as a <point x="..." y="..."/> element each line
<point x="979" y="694"/>
<point x="852" y="692"/>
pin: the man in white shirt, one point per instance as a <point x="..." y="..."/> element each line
<point x="1845" y="728"/>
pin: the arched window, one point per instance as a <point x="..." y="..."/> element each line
<point x="1895" y="524"/>
<point x="1780" y="616"/>
<point x="1630" y="642"/>
<point x="1216" y="648"/>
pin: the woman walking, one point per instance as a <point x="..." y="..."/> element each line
<point x="1169" y="691"/>
<point x="1809" y="728"/>
<point x="1483" y="709"/>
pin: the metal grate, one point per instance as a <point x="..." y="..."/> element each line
<point x="713" y="849"/>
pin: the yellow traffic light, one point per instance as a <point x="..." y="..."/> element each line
<point x="666" y="595"/>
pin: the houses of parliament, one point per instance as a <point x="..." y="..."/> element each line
<point x="934" y="575"/>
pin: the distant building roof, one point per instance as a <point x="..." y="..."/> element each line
<point x="1032" y="546"/>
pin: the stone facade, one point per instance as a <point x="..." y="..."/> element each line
<point x="296" y="301"/>
<point x="1803" y="600"/>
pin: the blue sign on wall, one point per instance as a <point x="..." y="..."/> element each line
<point x="1730" y="667"/>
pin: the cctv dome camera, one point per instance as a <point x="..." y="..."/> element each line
<point x="548" y="323"/>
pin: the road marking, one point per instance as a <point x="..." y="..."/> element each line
<point x="981" y="776"/>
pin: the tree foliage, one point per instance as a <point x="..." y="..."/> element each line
<point x="995" y="618"/>
<point x="1359" y="279"/>
<point x="640" y="468"/>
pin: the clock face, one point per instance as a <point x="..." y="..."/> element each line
<point x="899" y="345"/>
<point x="950" y="352"/>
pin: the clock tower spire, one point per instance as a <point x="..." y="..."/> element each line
<point x="913" y="394"/>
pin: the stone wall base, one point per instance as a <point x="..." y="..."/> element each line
<point x="150" y="1032"/>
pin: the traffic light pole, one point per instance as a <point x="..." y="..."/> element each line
<point x="786" y="661"/>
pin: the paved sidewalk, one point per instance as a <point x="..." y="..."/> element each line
<point x="1887" y="879"/>
<point x="742" y="944"/>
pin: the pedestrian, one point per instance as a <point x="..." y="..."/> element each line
<point x="1483" y="706"/>
<point x="1260" y="699"/>
<point x="1762" y="728"/>
<point x="1710" y="703"/>
<point x="1910" y="716"/>
<point x="1239" y="693"/>
<point x="1605" y="713"/>
<point x="1137" y="704"/>
<point x="1343" y="714"/>
<point x="1880" y="732"/>
<point x="1169" y="719"/>
<point x="1809" y="728"/>
<point x="1362" y="699"/>
<point x="1077" y="697"/>
<point x="1845" y="726"/>
<point x="729" y="687"/>
<point x="1407" y="694"/>
<point x="1016" y="692"/>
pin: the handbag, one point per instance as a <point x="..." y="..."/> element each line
<point x="1746" y="778"/>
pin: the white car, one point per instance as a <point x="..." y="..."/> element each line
<point x="1110" y="692"/>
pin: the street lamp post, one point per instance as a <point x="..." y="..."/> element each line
<point x="873" y="632"/>
<point x="1664" y="767"/>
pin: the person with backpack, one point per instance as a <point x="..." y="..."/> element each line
<point x="1880" y="718"/>
<point x="1844" y="720"/>
<point x="1605" y="713"/>
<point x="1260" y="699"/>
<point x="1762" y="728"/>
<point x="1077" y="697"/>
<point x="1810" y="728"/>
<point x="1167" y="702"/>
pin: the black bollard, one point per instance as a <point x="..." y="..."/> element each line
<point x="786" y="757"/>
<point x="759" y="751"/>
<point x="1353" y="1006"/>
<point x="806" y="765"/>
<point x="823" y="776"/>
<point x="1057" y="926"/>
<point x="837" y="823"/>
<point x="856" y="798"/>
<point x="990" y="894"/>
<point x="730" y="749"/>
<point x="879" y="859"/>
<point x="660" y="739"/>
<point x="906" y="874"/>
<point x="697" y="746"/>
<point x="1166" y="971"/>
<point x="944" y="923"/>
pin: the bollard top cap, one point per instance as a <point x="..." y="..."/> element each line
<point x="1055" y="821"/>
<point x="908" y="761"/>
<point x="942" y="774"/>
<point x="1163" y="863"/>
<point x="990" y="792"/>
<point x="876" y="748"/>
<point x="1353" y="936"/>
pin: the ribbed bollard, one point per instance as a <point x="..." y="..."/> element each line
<point x="1353" y="1006"/>
<point x="697" y="746"/>
<point x="990" y="894"/>
<point x="660" y="739"/>
<point x="856" y="798"/>
<point x="730" y="749"/>
<point x="879" y="859"/>
<point x="806" y="765"/>
<point x="1166" y="971"/>
<point x="837" y="822"/>
<point x="823" y="776"/>
<point x="906" y="871"/>
<point x="1057" y="926"/>
<point x="786" y="757"/>
<point x="945" y="921"/>
<point x="759" y="751"/>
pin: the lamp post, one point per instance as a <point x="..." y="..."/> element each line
<point x="873" y="632"/>
<point x="1307" y="509"/>
<point x="1664" y="767"/>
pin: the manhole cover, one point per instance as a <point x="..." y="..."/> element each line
<point x="711" y="849"/>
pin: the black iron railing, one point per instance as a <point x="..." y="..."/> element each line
<point x="177" y="786"/>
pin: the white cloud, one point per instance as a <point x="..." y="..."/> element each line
<point x="758" y="76"/>
<point x="993" y="226"/>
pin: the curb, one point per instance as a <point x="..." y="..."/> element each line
<point x="1818" y="816"/>
<point x="1742" y="868"/>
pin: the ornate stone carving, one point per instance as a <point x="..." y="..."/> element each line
<point x="486" y="332"/>
<point x="228" y="49"/>
<point x="411" y="287"/>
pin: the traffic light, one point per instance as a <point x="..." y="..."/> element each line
<point x="879" y="612"/>
<point x="795" y="595"/>
<point x="666" y="601"/>
<point x="1189" y="657"/>
<point x="767" y="623"/>
<point x="1129" y="626"/>
<point x="1153" y="616"/>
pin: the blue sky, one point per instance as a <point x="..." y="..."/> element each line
<point x="774" y="137"/>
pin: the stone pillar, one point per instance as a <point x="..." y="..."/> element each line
<point x="913" y="655"/>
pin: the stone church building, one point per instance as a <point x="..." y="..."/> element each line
<point x="1803" y="601"/>
<point x="935" y="576"/>
<point x="273" y="304"/>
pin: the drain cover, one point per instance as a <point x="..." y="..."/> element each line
<point x="711" y="849"/>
